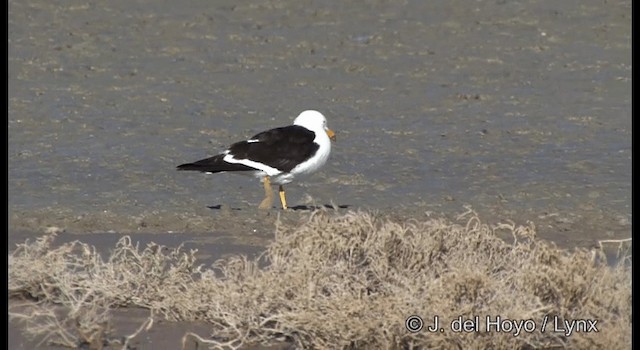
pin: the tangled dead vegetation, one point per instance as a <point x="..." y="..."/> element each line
<point x="336" y="282"/>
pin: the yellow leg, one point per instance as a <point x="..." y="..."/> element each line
<point x="283" y="199"/>
<point x="267" y="202"/>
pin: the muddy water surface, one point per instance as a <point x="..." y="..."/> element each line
<point x="519" y="109"/>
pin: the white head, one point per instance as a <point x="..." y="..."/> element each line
<point x="315" y="121"/>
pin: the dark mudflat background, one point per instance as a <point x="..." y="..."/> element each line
<point x="519" y="109"/>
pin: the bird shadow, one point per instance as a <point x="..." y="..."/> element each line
<point x="295" y="208"/>
<point x="220" y="207"/>
<point x="317" y="207"/>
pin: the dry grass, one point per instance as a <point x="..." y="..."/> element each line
<point x="335" y="282"/>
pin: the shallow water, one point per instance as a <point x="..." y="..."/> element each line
<point x="520" y="109"/>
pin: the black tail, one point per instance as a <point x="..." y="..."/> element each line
<point x="214" y="164"/>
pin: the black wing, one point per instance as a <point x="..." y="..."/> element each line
<point x="214" y="164"/>
<point x="281" y="148"/>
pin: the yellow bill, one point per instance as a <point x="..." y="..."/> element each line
<point x="331" y="134"/>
